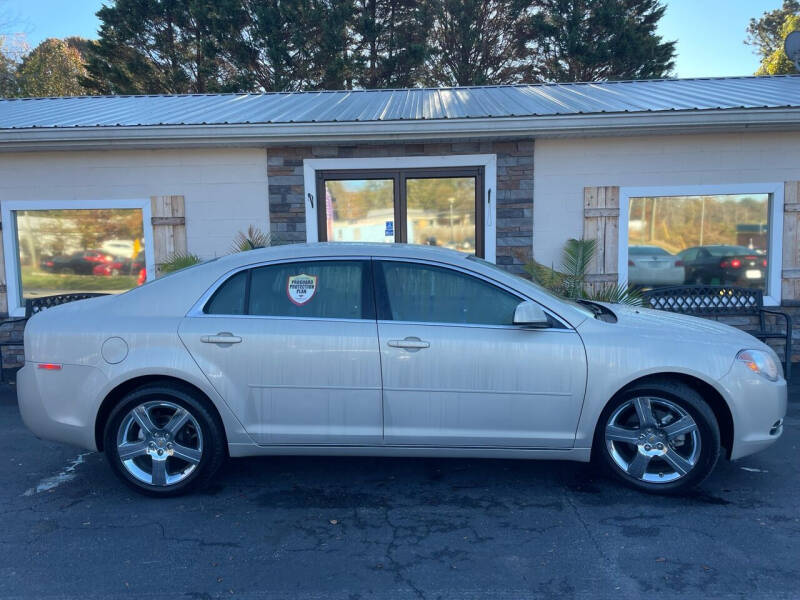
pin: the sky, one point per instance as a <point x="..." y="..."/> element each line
<point x="709" y="32"/>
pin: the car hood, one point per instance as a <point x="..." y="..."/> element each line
<point x="696" y="330"/>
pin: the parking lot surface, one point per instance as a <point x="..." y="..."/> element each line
<point x="393" y="528"/>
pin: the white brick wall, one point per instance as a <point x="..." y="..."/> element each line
<point x="565" y="166"/>
<point x="225" y="189"/>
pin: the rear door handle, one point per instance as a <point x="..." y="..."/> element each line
<point x="221" y="338"/>
<point x="410" y="343"/>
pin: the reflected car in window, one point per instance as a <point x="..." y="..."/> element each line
<point x="724" y="265"/>
<point x="389" y="350"/>
<point x="650" y="266"/>
<point x="77" y="263"/>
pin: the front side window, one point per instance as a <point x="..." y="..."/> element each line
<point x="428" y="294"/>
<point x="720" y="239"/>
<point x="312" y="289"/>
<point x="79" y="250"/>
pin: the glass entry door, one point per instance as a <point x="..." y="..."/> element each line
<point x="437" y="207"/>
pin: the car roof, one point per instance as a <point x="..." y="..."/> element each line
<point x="325" y="249"/>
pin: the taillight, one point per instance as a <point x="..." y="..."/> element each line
<point x="49" y="366"/>
<point x="736" y="263"/>
<point x="725" y="264"/>
<point x="764" y="262"/>
<point x="678" y="263"/>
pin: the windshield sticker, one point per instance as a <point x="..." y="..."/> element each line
<point x="301" y="288"/>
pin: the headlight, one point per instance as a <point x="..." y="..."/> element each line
<point x="760" y="362"/>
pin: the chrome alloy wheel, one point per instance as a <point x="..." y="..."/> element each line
<point x="159" y="443"/>
<point x="653" y="439"/>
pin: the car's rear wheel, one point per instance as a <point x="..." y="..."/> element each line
<point x="164" y="441"/>
<point x="659" y="436"/>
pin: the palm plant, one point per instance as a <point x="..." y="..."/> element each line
<point x="570" y="280"/>
<point x="178" y="261"/>
<point x="253" y="239"/>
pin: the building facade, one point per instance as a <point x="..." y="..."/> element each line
<point x="96" y="194"/>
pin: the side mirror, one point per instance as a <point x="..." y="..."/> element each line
<point x="530" y="314"/>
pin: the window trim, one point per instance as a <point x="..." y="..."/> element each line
<point x="16" y="304"/>
<point x="409" y="163"/>
<point x="772" y="294"/>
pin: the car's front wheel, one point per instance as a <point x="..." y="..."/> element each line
<point x="162" y="440"/>
<point x="659" y="436"/>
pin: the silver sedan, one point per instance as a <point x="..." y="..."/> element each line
<point x="390" y="350"/>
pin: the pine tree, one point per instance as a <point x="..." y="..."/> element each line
<point x="164" y="46"/>
<point x="595" y="40"/>
<point x="392" y="42"/>
<point x="472" y="42"/>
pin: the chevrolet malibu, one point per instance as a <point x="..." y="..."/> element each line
<point x="389" y="350"/>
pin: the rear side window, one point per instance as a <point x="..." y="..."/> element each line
<point x="229" y="299"/>
<point x="317" y="289"/>
<point x="427" y="294"/>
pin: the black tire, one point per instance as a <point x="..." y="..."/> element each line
<point x="214" y="448"/>
<point x="688" y="399"/>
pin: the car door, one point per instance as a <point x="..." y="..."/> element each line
<point x="457" y="372"/>
<point x="292" y="347"/>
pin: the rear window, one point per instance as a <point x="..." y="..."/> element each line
<point x="229" y="299"/>
<point x="647" y="250"/>
<point x="335" y="289"/>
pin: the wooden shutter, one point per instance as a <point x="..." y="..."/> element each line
<point x="790" y="276"/>
<point x="169" y="228"/>
<point x="601" y="223"/>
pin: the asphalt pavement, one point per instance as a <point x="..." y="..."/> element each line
<point x="358" y="528"/>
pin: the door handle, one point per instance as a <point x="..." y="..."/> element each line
<point x="222" y="337"/>
<point x="410" y="343"/>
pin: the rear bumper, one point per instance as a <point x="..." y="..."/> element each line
<point x="758" y="407"/>
<point x="60" y="405"/>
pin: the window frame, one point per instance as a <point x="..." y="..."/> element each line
<point x="772" y="293"/>
<point x="16" y="304"/>
<point x="367" y="168"/>
<point x="198" y="310"/>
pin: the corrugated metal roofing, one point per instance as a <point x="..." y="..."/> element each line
<point x="647" y="96"/>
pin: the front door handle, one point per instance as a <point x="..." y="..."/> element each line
<point x="222" y="337"/>
<point x="410" y="343"/>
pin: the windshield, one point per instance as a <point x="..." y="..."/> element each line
<point x="540" y="289"/>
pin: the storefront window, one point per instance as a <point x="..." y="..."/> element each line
<point x="699" y="240"/>
<point x="359" y="210"/>
<point x="441" y="212"/>
<point x="77" y="250"/>
<point x="437" y="207"/>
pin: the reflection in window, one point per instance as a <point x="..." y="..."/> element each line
<point x="79" y="250"/>
<point x="359" y="210"/>
<point x="441" y="212"/>
<point x="699" y="240"/>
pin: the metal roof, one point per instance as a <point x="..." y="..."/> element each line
<point x="419" y="104"/>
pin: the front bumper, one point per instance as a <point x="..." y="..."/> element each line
<point x="60" y="405"/>
<point x="758" y="406"/>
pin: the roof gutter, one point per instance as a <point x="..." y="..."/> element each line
<point x="198" y="136"/>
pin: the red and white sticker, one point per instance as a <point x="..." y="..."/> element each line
<point x="301" y="288"/>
